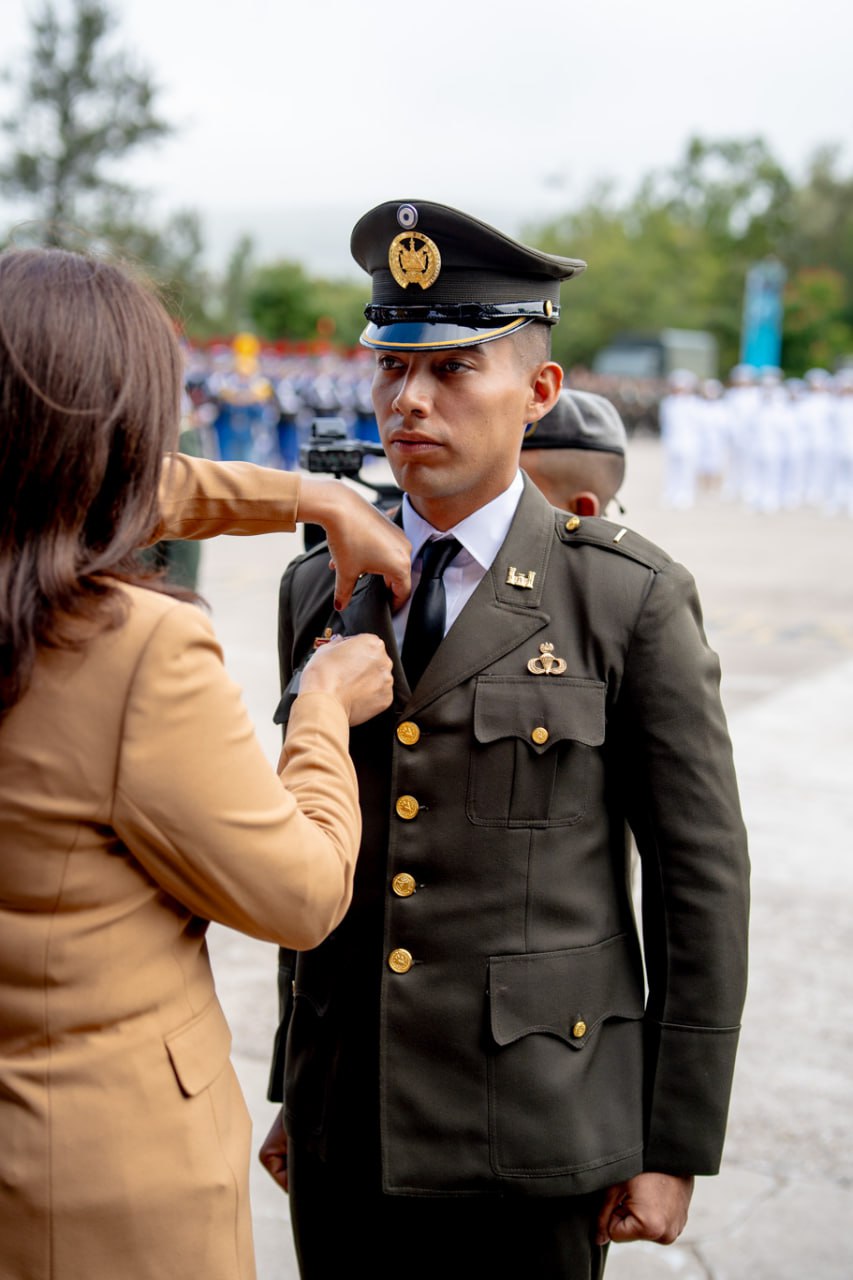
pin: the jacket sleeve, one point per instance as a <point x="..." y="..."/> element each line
<point x="685" y="815"/>
<point x="202" y="810"/>
<point x="286" y="956"/>
<point x="200" y="498"/>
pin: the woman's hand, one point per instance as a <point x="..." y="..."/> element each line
<point x="356" y="670"/>
<point x="361" y="540"/>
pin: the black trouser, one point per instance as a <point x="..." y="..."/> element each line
<point x="343" y="1222"/>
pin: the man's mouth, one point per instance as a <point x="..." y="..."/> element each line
<point x="412" y="442"/>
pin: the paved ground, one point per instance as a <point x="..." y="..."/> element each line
<point x="777" y="594"/>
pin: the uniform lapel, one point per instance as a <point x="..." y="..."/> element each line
<point x="499" y="616"/>
<point x="369" y="611"/>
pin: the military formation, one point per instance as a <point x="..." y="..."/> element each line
<point x="770" y="443"/>
<point x="250" y="404"/>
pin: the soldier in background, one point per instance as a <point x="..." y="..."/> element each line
<point x="576" y="454"/>
<point x="680" y="431"/>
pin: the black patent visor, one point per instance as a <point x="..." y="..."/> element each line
<point x="471" y="315"/>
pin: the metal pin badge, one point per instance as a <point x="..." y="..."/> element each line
<point x="516" y="579"/>
<point x="545" y="664"/>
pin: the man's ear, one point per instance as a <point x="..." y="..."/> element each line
<point x="545" y="386"/>
<point x="584" y="504"/>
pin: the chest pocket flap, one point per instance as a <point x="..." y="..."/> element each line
<point x="566" y="707"/>
<point x="534" y="742"/>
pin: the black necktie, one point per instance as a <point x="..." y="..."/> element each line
<point x="425" y="624"/>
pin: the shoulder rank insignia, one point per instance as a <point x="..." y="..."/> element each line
<point x="545" y="664"/>
<point x="516" y="579"/>
<point x="414" y="259"/>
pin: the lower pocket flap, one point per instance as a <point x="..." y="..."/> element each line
<point x="199" y="1049"/>
<point x="566" y="994"/>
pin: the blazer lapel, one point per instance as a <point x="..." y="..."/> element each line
<point x="499" y="616"/>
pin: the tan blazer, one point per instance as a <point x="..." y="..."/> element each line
<point x="136" y="805"/>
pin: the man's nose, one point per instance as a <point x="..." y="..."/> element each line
<point x="413" y="395"/>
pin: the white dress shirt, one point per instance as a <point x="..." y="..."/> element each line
<point x="481" y="534"/>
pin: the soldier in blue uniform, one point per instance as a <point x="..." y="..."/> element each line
<point x="484" y="1069"/>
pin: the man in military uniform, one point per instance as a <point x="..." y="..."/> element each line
<point x="576" y="454"/>
<point x="474" y="1073"/>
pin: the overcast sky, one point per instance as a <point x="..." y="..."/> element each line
<point x="293" y="118"/>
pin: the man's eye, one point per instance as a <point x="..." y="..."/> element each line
<point x="452" y="366"/>
<point x="388" y="362"/>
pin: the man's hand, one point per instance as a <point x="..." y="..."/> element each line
<point x="273" y="1152"/>
<point x="361" y="540"/>
<point x="652" y="1206"/>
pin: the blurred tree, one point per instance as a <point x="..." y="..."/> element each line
<point x="280" y="301"/>
<point x="675" y="254"/>
<point x="81" y="107"/>
<point x="234" y="313"/>
<point x="821" y="234"/>
<point x="816" y="332"/>
<point x="285" y="302"/>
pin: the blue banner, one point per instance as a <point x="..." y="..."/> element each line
<point x="761" y="334"/>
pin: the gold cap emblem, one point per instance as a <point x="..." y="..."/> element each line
<point x="414" y="259"/>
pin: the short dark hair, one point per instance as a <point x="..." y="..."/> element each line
<point x="90" y="382"/>
<point x="533" y="344"/>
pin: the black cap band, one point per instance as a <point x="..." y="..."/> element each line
<point x="472" y="314"/>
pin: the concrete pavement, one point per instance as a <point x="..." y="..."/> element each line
<point x="777" y="598"/>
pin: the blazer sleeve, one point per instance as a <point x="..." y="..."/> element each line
<point x="201" y="499"/>
<point x="199" y="806"/>
<point x="685" y="814"/>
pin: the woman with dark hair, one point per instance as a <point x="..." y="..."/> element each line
<point x="135" y="801"/>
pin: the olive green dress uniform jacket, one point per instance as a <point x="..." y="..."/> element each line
<point x="519" y="1050"/>
<point x="135" y="805"/>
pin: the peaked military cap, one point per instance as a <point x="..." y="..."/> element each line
<point x="444" y="279"/>
<point x="579" y="420"/>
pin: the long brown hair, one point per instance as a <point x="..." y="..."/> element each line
<point x="90" y="378"/>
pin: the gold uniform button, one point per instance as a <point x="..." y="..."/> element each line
<point x="400" y="960"/>
<point x="540" y="735"/>
<point x="404" y="885"/>
<point x="408" y="733"/>
<point x="579" y="1029"/>
<point x="573" y="523"/>
<point x="407" y="807"/>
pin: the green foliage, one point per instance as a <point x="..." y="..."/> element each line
<point x="234" y="306"/>
<point x="80" y="108"/>
<point x="676" y="253"/>
<point x="285" y="302"/>
<point x="816" y="332"/>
